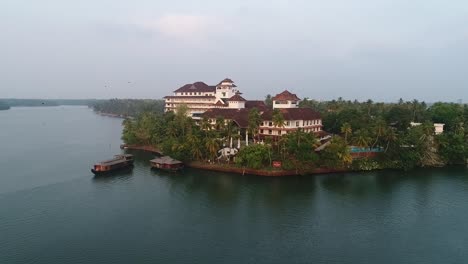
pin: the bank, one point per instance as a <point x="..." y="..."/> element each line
<point x="232" y="168"/>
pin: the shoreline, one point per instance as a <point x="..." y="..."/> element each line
<point x="230" y="168"/>
<point x="239" y="170"/>
<point x="260" y="172"/>
<point x="143" y="148"/>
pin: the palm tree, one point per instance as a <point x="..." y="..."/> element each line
<point x="361" y="139"/>
<point x="231" y="130"/>
<point x="346" y="130"/>
<point x="212" y="145"/>
<point x="390" y="137"/>
<point x="254" y="121"/>
<point x="379" y="130"/>
<point x="369" y="105"/>
<point x="220" y="124"/>
<point x="195" y="147"/>
<point x="278" y="119"/>
<point x="205" y="124"/>
<point x="278" y="122"/>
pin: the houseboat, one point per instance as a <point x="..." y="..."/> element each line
<point x="166" y="163"/>
<point x="117" y="163"/>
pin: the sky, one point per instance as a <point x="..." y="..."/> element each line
<point x="355" y="49"/>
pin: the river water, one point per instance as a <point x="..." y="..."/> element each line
<point x="52" y="209"/>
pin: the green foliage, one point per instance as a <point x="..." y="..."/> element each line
<point x="255" y="156"/>
<point x="449" y="114"/>
<point x="365" y="164"/>
<point x="297" y="150"/>
<point x="254" y="120"/>
<point x="336" y="154"/>
<point x="269" y="101"/>
<point x="453" y="147"/>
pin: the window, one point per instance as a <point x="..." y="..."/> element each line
<point x="287" y="123"/>
<point x="270" y="123"/>
<point x="269" y="132"/>
<point x="297" y="123"/>
<point x="293" y="102"/>
<point x="224" y="94"/>
<point x="261" y="131"/>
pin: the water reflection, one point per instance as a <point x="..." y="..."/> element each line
<point x="116" y="176"/>
<point x="227" y="190"/>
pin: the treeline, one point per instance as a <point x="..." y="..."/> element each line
<point x="47" y="102"/>
<point x="4" y="106"/>
<point x="388" y="126"/>
<point x="384" y="128"/>
<point x="128" y="107"/>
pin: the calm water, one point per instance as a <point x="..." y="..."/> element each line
<point x="52" y="210"/>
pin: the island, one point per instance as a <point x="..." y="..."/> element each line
<point x="215" y="128"/>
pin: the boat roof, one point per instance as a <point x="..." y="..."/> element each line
<point x="124" y="155"/>
<point x="117" y="159"/>
<point x="166" y="160"/>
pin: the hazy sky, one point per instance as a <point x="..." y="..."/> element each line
<point x="378" y="49"/>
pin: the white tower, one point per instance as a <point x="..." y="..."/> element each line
<point x="225" y="89"/>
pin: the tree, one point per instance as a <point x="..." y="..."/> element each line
<point x="298" y="150"/>
<point x="212" y="146"/>
<point x="269" y="100"/>
<point x="254" y="121"/>
<point x="361" y="138"/>
<point x="205" y="124"/>
<point x="128" y="132"/>
<point x="346" y="130"/>
<point x="336" y="154"/>
<point x="253" y="156"/>
<point x="220" y="125"/>
<point x="195" y="147"/>
<point x="379" y="129"/>
<point x="278" y="119"/>
<point x="449" y="114"/>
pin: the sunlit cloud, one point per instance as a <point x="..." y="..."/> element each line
<point x="180" y="26"/>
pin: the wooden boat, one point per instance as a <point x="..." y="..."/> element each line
<point x="167" y="163"/>
<point x="117" y="163"/>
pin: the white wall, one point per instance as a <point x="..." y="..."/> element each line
<point x="289" y="104"/>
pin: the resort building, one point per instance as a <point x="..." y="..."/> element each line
<point x="295" y="118"/>
<point x="285" y="103"/>
<point x="199" y="97"/>
<point x="225" y="100"/>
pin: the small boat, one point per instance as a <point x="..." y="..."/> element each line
<point x="117" y="163"/>
<point x="167" y="163"/>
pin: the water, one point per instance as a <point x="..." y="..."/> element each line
<point x="52" y="209"/>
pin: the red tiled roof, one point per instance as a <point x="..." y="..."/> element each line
<point x="286" y="96"/>
<point x="236" y="98"/>
<point x="240" y="116"/>
<point x="196" y="87"/>
<point x="294" y="114"/>
<point x="260" y="105"/>
<point x="220" y="103"/>
<point x="226" y="80"/>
